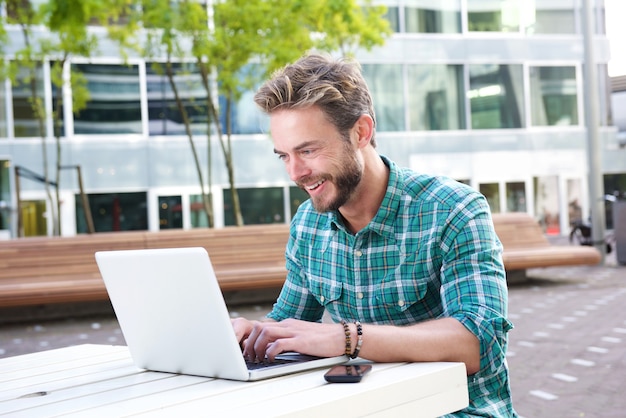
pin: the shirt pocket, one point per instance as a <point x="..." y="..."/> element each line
<point x="324" y="290"/>
<point x="400" y="293"/>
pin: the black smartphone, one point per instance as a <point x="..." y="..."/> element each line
<point x="347" y="374"/>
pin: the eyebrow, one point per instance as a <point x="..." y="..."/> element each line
<point x="299" y="147"/>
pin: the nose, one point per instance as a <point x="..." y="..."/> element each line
<point x="297" y="169"/>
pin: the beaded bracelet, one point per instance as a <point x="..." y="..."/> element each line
<point x="346" y="330"/>
<point x="359" y="342"/>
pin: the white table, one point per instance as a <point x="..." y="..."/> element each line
<point x="99" y="380"/>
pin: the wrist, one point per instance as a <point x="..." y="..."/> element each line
<point x="347" y="334"/>
<point x="353" y="338"/>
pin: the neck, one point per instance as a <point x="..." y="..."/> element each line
<point x="367" y="198"/>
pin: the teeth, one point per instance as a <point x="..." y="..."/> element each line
<point x="314" y="186"/>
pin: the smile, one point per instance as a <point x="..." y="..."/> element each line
<point x="315" y="185"/>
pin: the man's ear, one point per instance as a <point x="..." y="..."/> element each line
<point x="364" y="130"/>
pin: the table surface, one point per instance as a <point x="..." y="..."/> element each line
<point x="101" y="380"/>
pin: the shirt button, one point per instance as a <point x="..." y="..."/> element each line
<point x="359" y="295"/>
<point x="400" y="303"/>
<point x="322" y="299"/>
<point x="358" y="253"/>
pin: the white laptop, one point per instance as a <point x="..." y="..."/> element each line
<point x="174" y="318"/>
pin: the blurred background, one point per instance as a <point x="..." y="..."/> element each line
<point x="138" y="116"/>
<point x="489" y="92"/>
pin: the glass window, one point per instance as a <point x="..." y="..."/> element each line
<point x="436" y="97"/>
<point x="170" y="212"/>
<point x="6" y="212"/>
<point x="297" y="196"/>
<point x="432" y="17"/>
<point x="492" y="193"/>
<point x="547" y="203"/>
<point x="3" y="110"/>
<point x="165" y="118"/>
<point x="114" y="212"/>
<point x="574" y="199"/>
<point x="553" y="95"/>
<point x="516" y="197"/>
<point x="114" y="106"/>
<point x="554" y="17"/>
<point x="199" y="218"/>
<point x="34" y="218"/>
<point x="392" y="15"/>
<point x="496" y="96"/>
<point x="245" y="116"/>
<point x="615" y="185"/>
<point x="25" y="121"/>
<point x="386" y="86"/>
<point x="258" y="205"/>
<point x="493" y="15"/>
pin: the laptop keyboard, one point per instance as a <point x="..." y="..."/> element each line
<point x="256" y="365"/>
<point x="285" y="358"/>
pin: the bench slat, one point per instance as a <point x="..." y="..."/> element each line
<point x="526" y="246"/>
<point x="43" y="270"/>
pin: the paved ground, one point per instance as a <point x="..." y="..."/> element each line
<point x="567" y="353"/>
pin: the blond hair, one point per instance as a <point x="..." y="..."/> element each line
<point x="337" y="87"/>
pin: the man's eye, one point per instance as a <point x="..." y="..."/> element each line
<point x="282" y="157"/>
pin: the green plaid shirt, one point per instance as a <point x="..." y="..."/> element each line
<point x="430" y="252"/>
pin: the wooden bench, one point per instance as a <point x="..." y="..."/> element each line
<point x="48" y="270"/>
<point x="526" y="246"/>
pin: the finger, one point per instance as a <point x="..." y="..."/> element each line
<point x="279" y="346"/>
<point x="263" y="339"/>
<point x="250" y="342"/>
<point x="271" y="336"/>
<point x="241" y="327"/>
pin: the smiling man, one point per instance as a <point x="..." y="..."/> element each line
<point x="407" y="265"/>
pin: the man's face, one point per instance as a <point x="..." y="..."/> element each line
<point x="317" y="158"/>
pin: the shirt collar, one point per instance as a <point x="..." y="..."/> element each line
<point x="384" y="220"/>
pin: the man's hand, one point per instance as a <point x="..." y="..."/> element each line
<point x="242" y="327"/>
<point x="444" y="339"/>
<point x="260" y="340"/>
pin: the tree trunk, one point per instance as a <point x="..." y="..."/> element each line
<point x="183" y="112"/>
<point x="37" y="107"/>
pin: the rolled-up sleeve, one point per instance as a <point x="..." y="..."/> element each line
<point x="474" y="289"/>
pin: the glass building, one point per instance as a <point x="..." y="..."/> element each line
<point x="489" y="92"/>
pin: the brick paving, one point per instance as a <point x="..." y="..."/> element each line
<point x="567" y="352"/>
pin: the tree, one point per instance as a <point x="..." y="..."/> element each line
<point x="240" y="33"/>
<point x="67" y="24"/>
<point x="272" y="34"/>
<point x="345" y="25"/>
<point x="164" y="22"/>
<point x="223" y="39"/>
<point x="28" y="59"/>
<point x="69" y="21"/>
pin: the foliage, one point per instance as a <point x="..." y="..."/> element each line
<point x="346" y="25"/>
<point x="66" y="23"/>
<point x="223" y="39"/>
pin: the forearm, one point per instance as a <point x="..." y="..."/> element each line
<point x="437" y="340"/>
<point x="443" y="339"/>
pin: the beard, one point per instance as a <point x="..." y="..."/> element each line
<point x="346" y="179"/>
